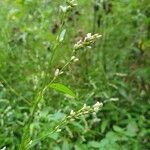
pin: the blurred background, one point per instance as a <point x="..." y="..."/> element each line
<point x="115" y="71"/>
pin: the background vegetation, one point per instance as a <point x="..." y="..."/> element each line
<point x="115" y="71"/>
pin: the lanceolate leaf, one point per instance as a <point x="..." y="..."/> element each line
<point x="62" y="88"/>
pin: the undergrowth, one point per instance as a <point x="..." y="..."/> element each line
<point x="74" y="74"/>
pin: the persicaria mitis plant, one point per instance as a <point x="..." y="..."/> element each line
<point x="88" y="41"/>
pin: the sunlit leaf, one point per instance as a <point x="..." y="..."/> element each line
<point x="62" y="88"/>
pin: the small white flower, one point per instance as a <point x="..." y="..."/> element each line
<point x="121" y="74"/>
<point x="30" y="142"/>
<point x="73" y="57"/>
<point x="80" y="42"/>
<point x="57" y="71"/>
<point x="96" y="109"/>
<point x="96" y="120"/>
<point x="97" y="35"/>
<point x="89" y="39"/>
<point x="94" y="113"/>
<point x="61" y="72"/>
<point x="72" y="113"/>
<point x="84" y="106"/>
<point x="114" y="99"/>
<point x="89" y="47"/>
<point x="72" y="3"/>
<point x="97" y="106"/>
<point x="76" y="46"/>
<point x="58" y="130"/>
<point x="63" y="8"/>
<point x="4" y="148"/>
<point x="76" y="59"/>
<point x="89" y="35"/>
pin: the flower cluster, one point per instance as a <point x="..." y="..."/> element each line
<point x="74" y="59"/>
<point x="87" y="41"/>
<point x="86" y="110"/>
<point x="75" y="115"/>
<point x="70" y="4"/>
<point x="97" y="106"/>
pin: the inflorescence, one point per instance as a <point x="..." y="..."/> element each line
<point x="85" y="110"/>
<point x="87" y="41"/>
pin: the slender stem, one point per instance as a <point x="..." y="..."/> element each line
<point x="57" y="43"/>
<point x="54" y="49"/>
<point x="26" y="138"/>
<point x="94" y="21"/>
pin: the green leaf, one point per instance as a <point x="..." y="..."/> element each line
<point x="104" y="125"/>
<point x="65" y="145"/>
<point x="94" y="144"/>
<point x="132" y="129"/>
<point x="62" y="88"/>
<point x="118" y="129"/>
<point x="62" y="35"/>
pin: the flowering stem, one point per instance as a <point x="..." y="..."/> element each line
<point x="73" y="115"/>
<point x="26" y="138"/>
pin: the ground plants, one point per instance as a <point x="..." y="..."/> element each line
<point x="95" y="52"/>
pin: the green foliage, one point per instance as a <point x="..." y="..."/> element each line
<point x="62" y="88"/>
<point x="37" y="37"/>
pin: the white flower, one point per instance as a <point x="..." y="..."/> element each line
<point x="89" y="47"/>
<point x="87" y="41"/>
<point x="91" y="38"/>
<point x="95" y="120"/>
<point x="97" y="35"/>
<point x="97" y="106"/>
<point x="85" y="107"/>
<point x="73" y="57"/>
<point x="57" y="71"/>
<point x="89" y="35"/>
<point x="30" y="142"/>
<point x="78" y="45"/>
<point x="63" y="8"/>
<point x="58" y="130"/>
<point x="114" y="99"/>
<point x="121" y="74"/>
<point x="72" y="3"/>
<point x="76" y="59"/>
<point x="4" y="148"/>
<point x="72" y="113"/>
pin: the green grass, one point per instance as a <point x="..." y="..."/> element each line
<point x="115" y="71"/>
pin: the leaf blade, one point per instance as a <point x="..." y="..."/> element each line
<point x="62" y="88"/>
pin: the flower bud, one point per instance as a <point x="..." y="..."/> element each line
<point x="57" y="71"/>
